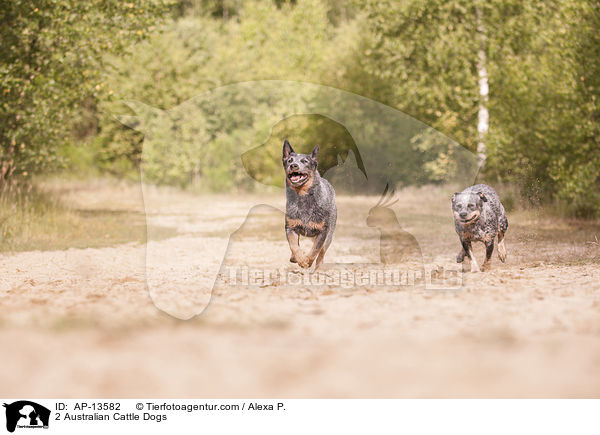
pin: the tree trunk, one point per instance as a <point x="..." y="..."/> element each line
<point x="483" y="115"/>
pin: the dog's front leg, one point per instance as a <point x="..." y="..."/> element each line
<point x="318" y="243"/>
<point x="294" y="243"/>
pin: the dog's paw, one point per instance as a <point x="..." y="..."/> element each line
<point x="486" y="266"/>
<point x="304" y="262"/>
<point x="292" y="259"/>
<point x="460" y="257"/>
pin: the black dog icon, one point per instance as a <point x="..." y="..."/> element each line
<point x="26" y="409"/>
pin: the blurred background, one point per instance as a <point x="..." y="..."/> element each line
<point x="515" y="82"/>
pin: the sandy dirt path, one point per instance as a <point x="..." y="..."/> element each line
<point x="80" y="322"/>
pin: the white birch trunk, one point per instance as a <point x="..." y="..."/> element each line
<point x="483" y="115"/>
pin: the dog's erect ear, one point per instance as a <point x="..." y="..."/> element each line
<point x="454" y="196"/>
<point x="482" y="196"/>
<point x="287" y="149"/>
<point x="315" y="153"/>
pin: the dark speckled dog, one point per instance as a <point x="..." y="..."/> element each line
<point x="310" y="208"/>
<point x="478" y="217"/>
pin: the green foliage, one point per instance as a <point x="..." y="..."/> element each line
<point x="545" y="108"/>
<point x="50" y="63"/>
<point x="198" y="53"/>
<point x="542" y="61"/>
<point x="67" y="64"/>
<point x="428" y="50"/>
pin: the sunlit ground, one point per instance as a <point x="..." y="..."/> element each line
<point x="528" y="328"/>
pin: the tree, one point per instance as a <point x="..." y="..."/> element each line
<point x="545" y="132"/>
<point x="428" y="53"/>
<point x="540" y="60"/>
<point x="51" y="58"/>
<point x="483" y="123"/>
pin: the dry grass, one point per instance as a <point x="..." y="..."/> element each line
<point x="53" y="215"/>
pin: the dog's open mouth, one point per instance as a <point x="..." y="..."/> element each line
<point x="471" y="219"/>
<point x="297" y="177"/>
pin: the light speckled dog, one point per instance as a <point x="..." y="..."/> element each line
<point x="478" y="217"/>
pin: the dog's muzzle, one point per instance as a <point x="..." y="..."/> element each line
<point x="296" y="177"/>
<point x="467" y="220"/>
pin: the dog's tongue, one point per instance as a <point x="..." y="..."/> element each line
<point x="296" y="178"/>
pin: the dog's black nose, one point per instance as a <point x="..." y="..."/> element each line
<point x="294" y="166"/>
<point x="463" y="214"/>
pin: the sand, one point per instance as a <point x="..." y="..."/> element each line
<point x="98" y="322"/>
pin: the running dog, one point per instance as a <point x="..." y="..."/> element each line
<point x="478" y="217"/>
<point x="310" y="206"/>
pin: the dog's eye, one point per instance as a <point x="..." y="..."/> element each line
<point x="304" y="161"/>
<point x="290" y="160"/>
<point x="471" y="205"/>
